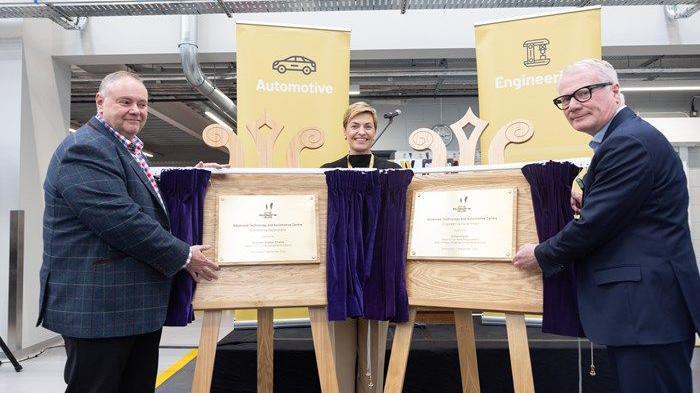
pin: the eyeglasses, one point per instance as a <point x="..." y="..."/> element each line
<point x="581" y="95"/>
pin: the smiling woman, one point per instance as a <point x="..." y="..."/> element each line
<point x="360" y="128"/>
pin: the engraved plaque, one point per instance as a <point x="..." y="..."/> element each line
<point x="466" y="224"/>
<point x="267" y="229"/>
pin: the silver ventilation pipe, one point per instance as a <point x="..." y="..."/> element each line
<point x="194" y="74"/>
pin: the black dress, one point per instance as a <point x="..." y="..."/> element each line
<point x="361" y="161"/>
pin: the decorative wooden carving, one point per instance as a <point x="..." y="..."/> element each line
<point x="467" y="146"/>
<point x="264" y="141"/>
<point x="306" y="138"/>
<point x="424" y="139"/>
<point x="216" y="136"/>
<point x="517" y="131"/>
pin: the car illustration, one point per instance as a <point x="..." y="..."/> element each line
<point x="295" y="63"/>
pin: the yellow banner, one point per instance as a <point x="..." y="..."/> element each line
<point x="519" y="63"/>
<point x="291" y="80"/>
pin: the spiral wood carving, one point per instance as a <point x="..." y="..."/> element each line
<point x="516" y="131"/>
<point x="311" y="138"/>
<point x="215" y="135"/>
<point x="306" y="138"/>
<point x="425" y="138"/>
<point x="519" y="131"/>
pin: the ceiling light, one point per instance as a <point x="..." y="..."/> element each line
<point x="71" y="130"/>
<point x="147" y="154"/>
<point x="218" y="120"/>
<point x="661" y="88"/>
<point x="354" y="90"/>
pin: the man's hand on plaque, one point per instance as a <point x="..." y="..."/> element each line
<point x="525" y="258"/>
<point x="200" y="267"/>
<point x="576" y="201"/>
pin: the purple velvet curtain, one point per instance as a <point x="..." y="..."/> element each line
<point x="550" y="186"/>
<point x="365" y="254"/>
<point x="183" y="191"/>
<point x="385" y="292"/>
<point x="353" y="207"/>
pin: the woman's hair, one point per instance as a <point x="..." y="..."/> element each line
<point x="357" y="108"/>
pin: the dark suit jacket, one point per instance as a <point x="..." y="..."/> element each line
<point x="637" y="276"/>
<point x="108" y="253"/>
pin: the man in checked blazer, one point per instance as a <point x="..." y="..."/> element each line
<point x="636" y="272"/>
<point x="109" y="256"/>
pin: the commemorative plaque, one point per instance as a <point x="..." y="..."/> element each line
<point x="463" y="224"/>
<point x="267" y="229"/>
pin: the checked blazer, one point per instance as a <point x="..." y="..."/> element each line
<point x="109" y="256"/>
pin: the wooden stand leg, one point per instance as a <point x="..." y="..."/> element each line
<point x="380" y="345"/>
<point x="320" y="330"/>
<point x="343" y="336"/>
<point x="519" y="353"/>
<point x="207" y="352"/>
<point x="466" y="345"/>
<point x="399" y="355"/>
<point x="265" y="350"/>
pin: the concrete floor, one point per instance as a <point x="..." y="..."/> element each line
<point x="44" y="374"/>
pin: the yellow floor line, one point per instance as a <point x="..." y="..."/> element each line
<point x="170" y="371"/>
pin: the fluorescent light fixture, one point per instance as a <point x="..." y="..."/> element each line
<point x="660" y="88"/>
<point x="147" y="154"/>
<point x="354" y="90"/>
<point x="71" y="130"/>
<point x="217" y="119"/>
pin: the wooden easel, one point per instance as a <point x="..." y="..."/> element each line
<point x="463" y="286"/>
<point x="264" y="287"/>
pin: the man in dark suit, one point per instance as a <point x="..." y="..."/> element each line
<point x="109" y="256"/>
<point x="637" y="277"/>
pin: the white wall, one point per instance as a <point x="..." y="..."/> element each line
<point x="694" y="189"/>
<point x="35" y="108"/>
<point x="10" y="112"/>
<point x="45" y="119"/>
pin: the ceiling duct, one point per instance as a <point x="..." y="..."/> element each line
<point x="193" y="72"/>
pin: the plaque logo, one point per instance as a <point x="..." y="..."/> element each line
<point x="461" y="206"/>
<point x="268" y="213"/>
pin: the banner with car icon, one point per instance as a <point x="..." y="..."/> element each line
<point x="298" y="78"/>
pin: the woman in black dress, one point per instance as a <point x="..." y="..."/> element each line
<point x="360" y="128"/>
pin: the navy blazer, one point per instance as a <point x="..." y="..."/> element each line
<point x="108" y="253"/>
<point x="637" y="276"/>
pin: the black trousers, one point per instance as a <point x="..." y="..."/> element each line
<point x="112" y="365"/>
<point x="654" y="368"/>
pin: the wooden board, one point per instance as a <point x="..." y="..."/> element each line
<point x="257" y="286"/>
<point x="477" y="285"/>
